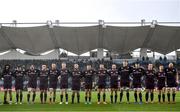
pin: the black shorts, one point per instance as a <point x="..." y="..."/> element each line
<point x="88" y="86"/>
<point x="149" y="86"/>
<point x="32" y="85"/>
<point x="171" y="85"/>
<point x="63" y="86"/>
<point x="53" y="85"/>
<point x="7" y="85"/>
<point x="19" y="86"/>
<point x="125" y="84"/>
<point x="43" y="86"/>
<point x="114" y="85"/>
<point x="76" y="87"/>
<point x="160" y="87"/>
<point x="102" y="86"/>
<point x="137" y="85"/>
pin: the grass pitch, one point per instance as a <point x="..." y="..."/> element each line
<point x="93" y="107"/>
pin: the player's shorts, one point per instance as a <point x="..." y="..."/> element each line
<point x="32" y="85"/>
<point x="171" y="85"/>
<point x="53" y="85"/>
<point x="7" y="85"/>
<point x="76" y="87"/>
<point x="63" y="86"/>
<point x="160" y="86"/>
<point x="101" y="86"/>
<point x="19" y="86"/>
<point x="114" y="85"/>
<point x="88" y="86"/>
<point x="43" y="86"/>
<point x="149" y="86"/>
<point x="137" y="85"/>
<point x="125" y="84"/>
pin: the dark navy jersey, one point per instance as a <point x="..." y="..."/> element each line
<point x="88" y="76"/>
<point x="114" y="74"/>
<point x="76" y="76"/>
<point x="137" y="74"/>
<point x="171" y="74"/>
<point x="7" y="75"/>
<point x="19" y="76"/>
<point x="53" y="76"/>
<point x="161" y="77"/>
<point x="43" y="76"/>
<point x="32" y="75"/>
<point x="64" y="73"/>
<point x="102" y="76"/>
<point x="150" y="77"/>
<point x="125" y="73"/>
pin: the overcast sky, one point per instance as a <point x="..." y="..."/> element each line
<point x="89" y="10"/>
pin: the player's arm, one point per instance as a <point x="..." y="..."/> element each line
<point x="177" y="77"/>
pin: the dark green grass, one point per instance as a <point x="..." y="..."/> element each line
<point x="93" y="107"/>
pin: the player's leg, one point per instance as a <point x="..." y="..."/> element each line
<point x="73" y="95"/>
<point x="127" y="94"/>
<point x="61" y="96"/>
<point x="99" y="96"/>
<point x="10" y="96"/>
<point x="173" y="94"/>
<point x="66" y="95"/>
<point x="34" y="94"/>
<point x="115" y="96"/>
<point x="121" y="94"/>
<point x="90" y="96"/>
<point x="104" y="96"/>
<point x="21" y="96"/>
<point x="78" y="96"/>
<point x="29" y="94"/>
<point x="17" y="96"/>
<point x="168" y="94"/>
<point x="140" y="95"/>
<point x="5" y="96"/>
<point x="86" y="95"/>
<point x="41" y="96"/>
<point x="163" y="94"/>
<point x="135" y="95"/>
<point x="147" y="95"/>
<point x="111" y="96"/>
<point x="159" y="95"/>
<point x="50" y="95"/>
<point x="152" y="95"/>
<point x="54" y="95"/>
<point x="45" y="95"/>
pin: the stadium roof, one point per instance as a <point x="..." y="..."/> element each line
<point x="36" y="40"/>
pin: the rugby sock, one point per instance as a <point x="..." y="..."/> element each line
<point x="89" y="98"/>
<point x="17" y="97"/>
<point x="104" y="97"/>
<point x="159" y="98"/>
<point x="99" y="97"/>
<point x="111" y="98"/>
<point x="127" y="95"/>
<point x="34" y="96"/>
<point x="28" y="97"/>
<point x="152" y="96"/>
<point x="135" y="96"/>
<point x="21" y="97"/>
<point x="173" y="96"/>
<point x="72" y="98"/>
<point x="121" y="95"/>
<point x="85" y="98"/>
<point x="41" y="97"/>
<point x="61" y="98"/>
<point x="54" y="97"/>
<point x="66" y="97"/>
<point x="163" y="97"/>
<point x="168" y="95"/>
<point x="147" y="96"/>
<point x="140" y="97"/>
<point x="115" y="98"/>
<point x="78" y="98"/>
